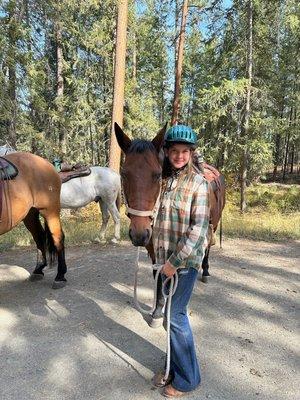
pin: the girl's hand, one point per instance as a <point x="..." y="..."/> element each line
<point x="168" y="269"/>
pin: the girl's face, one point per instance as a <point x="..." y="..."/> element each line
<point x="179" y="155"/>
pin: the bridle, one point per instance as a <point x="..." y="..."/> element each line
<point x="140" y="213"/>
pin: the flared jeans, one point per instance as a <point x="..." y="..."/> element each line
<point x="184" y="365"/>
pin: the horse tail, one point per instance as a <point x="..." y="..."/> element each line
<point x="119" y="200"/>
<point x="52" y="251"/>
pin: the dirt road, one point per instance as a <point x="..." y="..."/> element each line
<point x="86" y="341"/>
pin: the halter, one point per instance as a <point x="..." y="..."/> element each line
<point x="141" y="213"/>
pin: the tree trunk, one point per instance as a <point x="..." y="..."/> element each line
<point x="292" y="159"/>
<point x="12" y="77"/>
<point x="60" y="88"/>
<point x="276" y="156"/>
<point x="119" y="84"/>
<point x="244" y="158"/>
<point x="134" y="61"/>
<point x="176" y="101"/>
<point x="287" y="147"/>
<point x="277" y="145"/>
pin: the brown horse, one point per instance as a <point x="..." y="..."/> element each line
<point x="34" y="191"/>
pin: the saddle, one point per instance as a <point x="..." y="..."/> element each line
<point x="8" y="171"/>
<point x="68" y="171"/>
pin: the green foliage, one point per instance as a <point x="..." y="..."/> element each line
<point x="214" y="80"/>
<point x="271" y="198"/>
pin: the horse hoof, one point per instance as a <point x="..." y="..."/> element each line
<point x="59" y="284"/>
<point x="204" y="279"/>
<point x="36" y="277"/>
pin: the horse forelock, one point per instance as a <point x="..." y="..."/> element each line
<point x="141" y="146"/>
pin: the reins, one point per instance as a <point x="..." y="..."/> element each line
<point x="168" y="293"/>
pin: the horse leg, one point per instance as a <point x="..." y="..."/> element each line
<point x="33" y="224"/>
<point x="105" y="218"/>
<point x="55" y="237"/>
<point x="157" y="315"/>
<point x="205" y="266"/>
<point x="116" y="217"/>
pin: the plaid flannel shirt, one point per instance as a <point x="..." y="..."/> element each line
<point x="181" y="224"/>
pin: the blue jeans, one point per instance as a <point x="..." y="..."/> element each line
<point x="184" y="365"/>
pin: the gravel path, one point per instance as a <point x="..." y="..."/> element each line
<point x="86" y="341"/>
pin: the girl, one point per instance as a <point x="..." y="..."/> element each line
<point x="180" y="239"/>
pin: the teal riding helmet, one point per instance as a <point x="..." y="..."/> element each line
<point x="180" y="134"/>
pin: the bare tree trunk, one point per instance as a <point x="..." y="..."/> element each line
<point x="277" y="146"/>
<point x="176" y="101"/>
<point x="277" y="155"/>
<point x="292" y="159"/>
<point x="12" y="77"/>
<point x="134" y="61"/>
<point x="244" y="158"/>
<point x="176" y="35"/>
<point x="119" y="83"/>
<point x="287" y="147"/>
<point x="60" y="87"/>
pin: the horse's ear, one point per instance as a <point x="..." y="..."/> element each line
<point x="123" y="140"/>
<point x="159" y="138"/>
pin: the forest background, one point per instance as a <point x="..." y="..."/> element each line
<point x="57" y="74"/>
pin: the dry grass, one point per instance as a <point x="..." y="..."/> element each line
<point x="274" y="215"/>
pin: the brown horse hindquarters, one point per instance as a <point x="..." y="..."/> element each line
<point x="16" y="202"/>
<point x="37" y="187"/>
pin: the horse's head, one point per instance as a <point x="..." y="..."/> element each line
<point x="141" y="178"/>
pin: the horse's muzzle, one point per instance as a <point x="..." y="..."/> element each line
<point x="140" y="238"/>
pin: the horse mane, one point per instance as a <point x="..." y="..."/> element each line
<point x="140" y="146"/>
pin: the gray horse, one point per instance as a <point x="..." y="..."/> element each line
<point x="102" y="185"/>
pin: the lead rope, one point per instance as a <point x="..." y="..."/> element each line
<point x="167" y="293"/>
